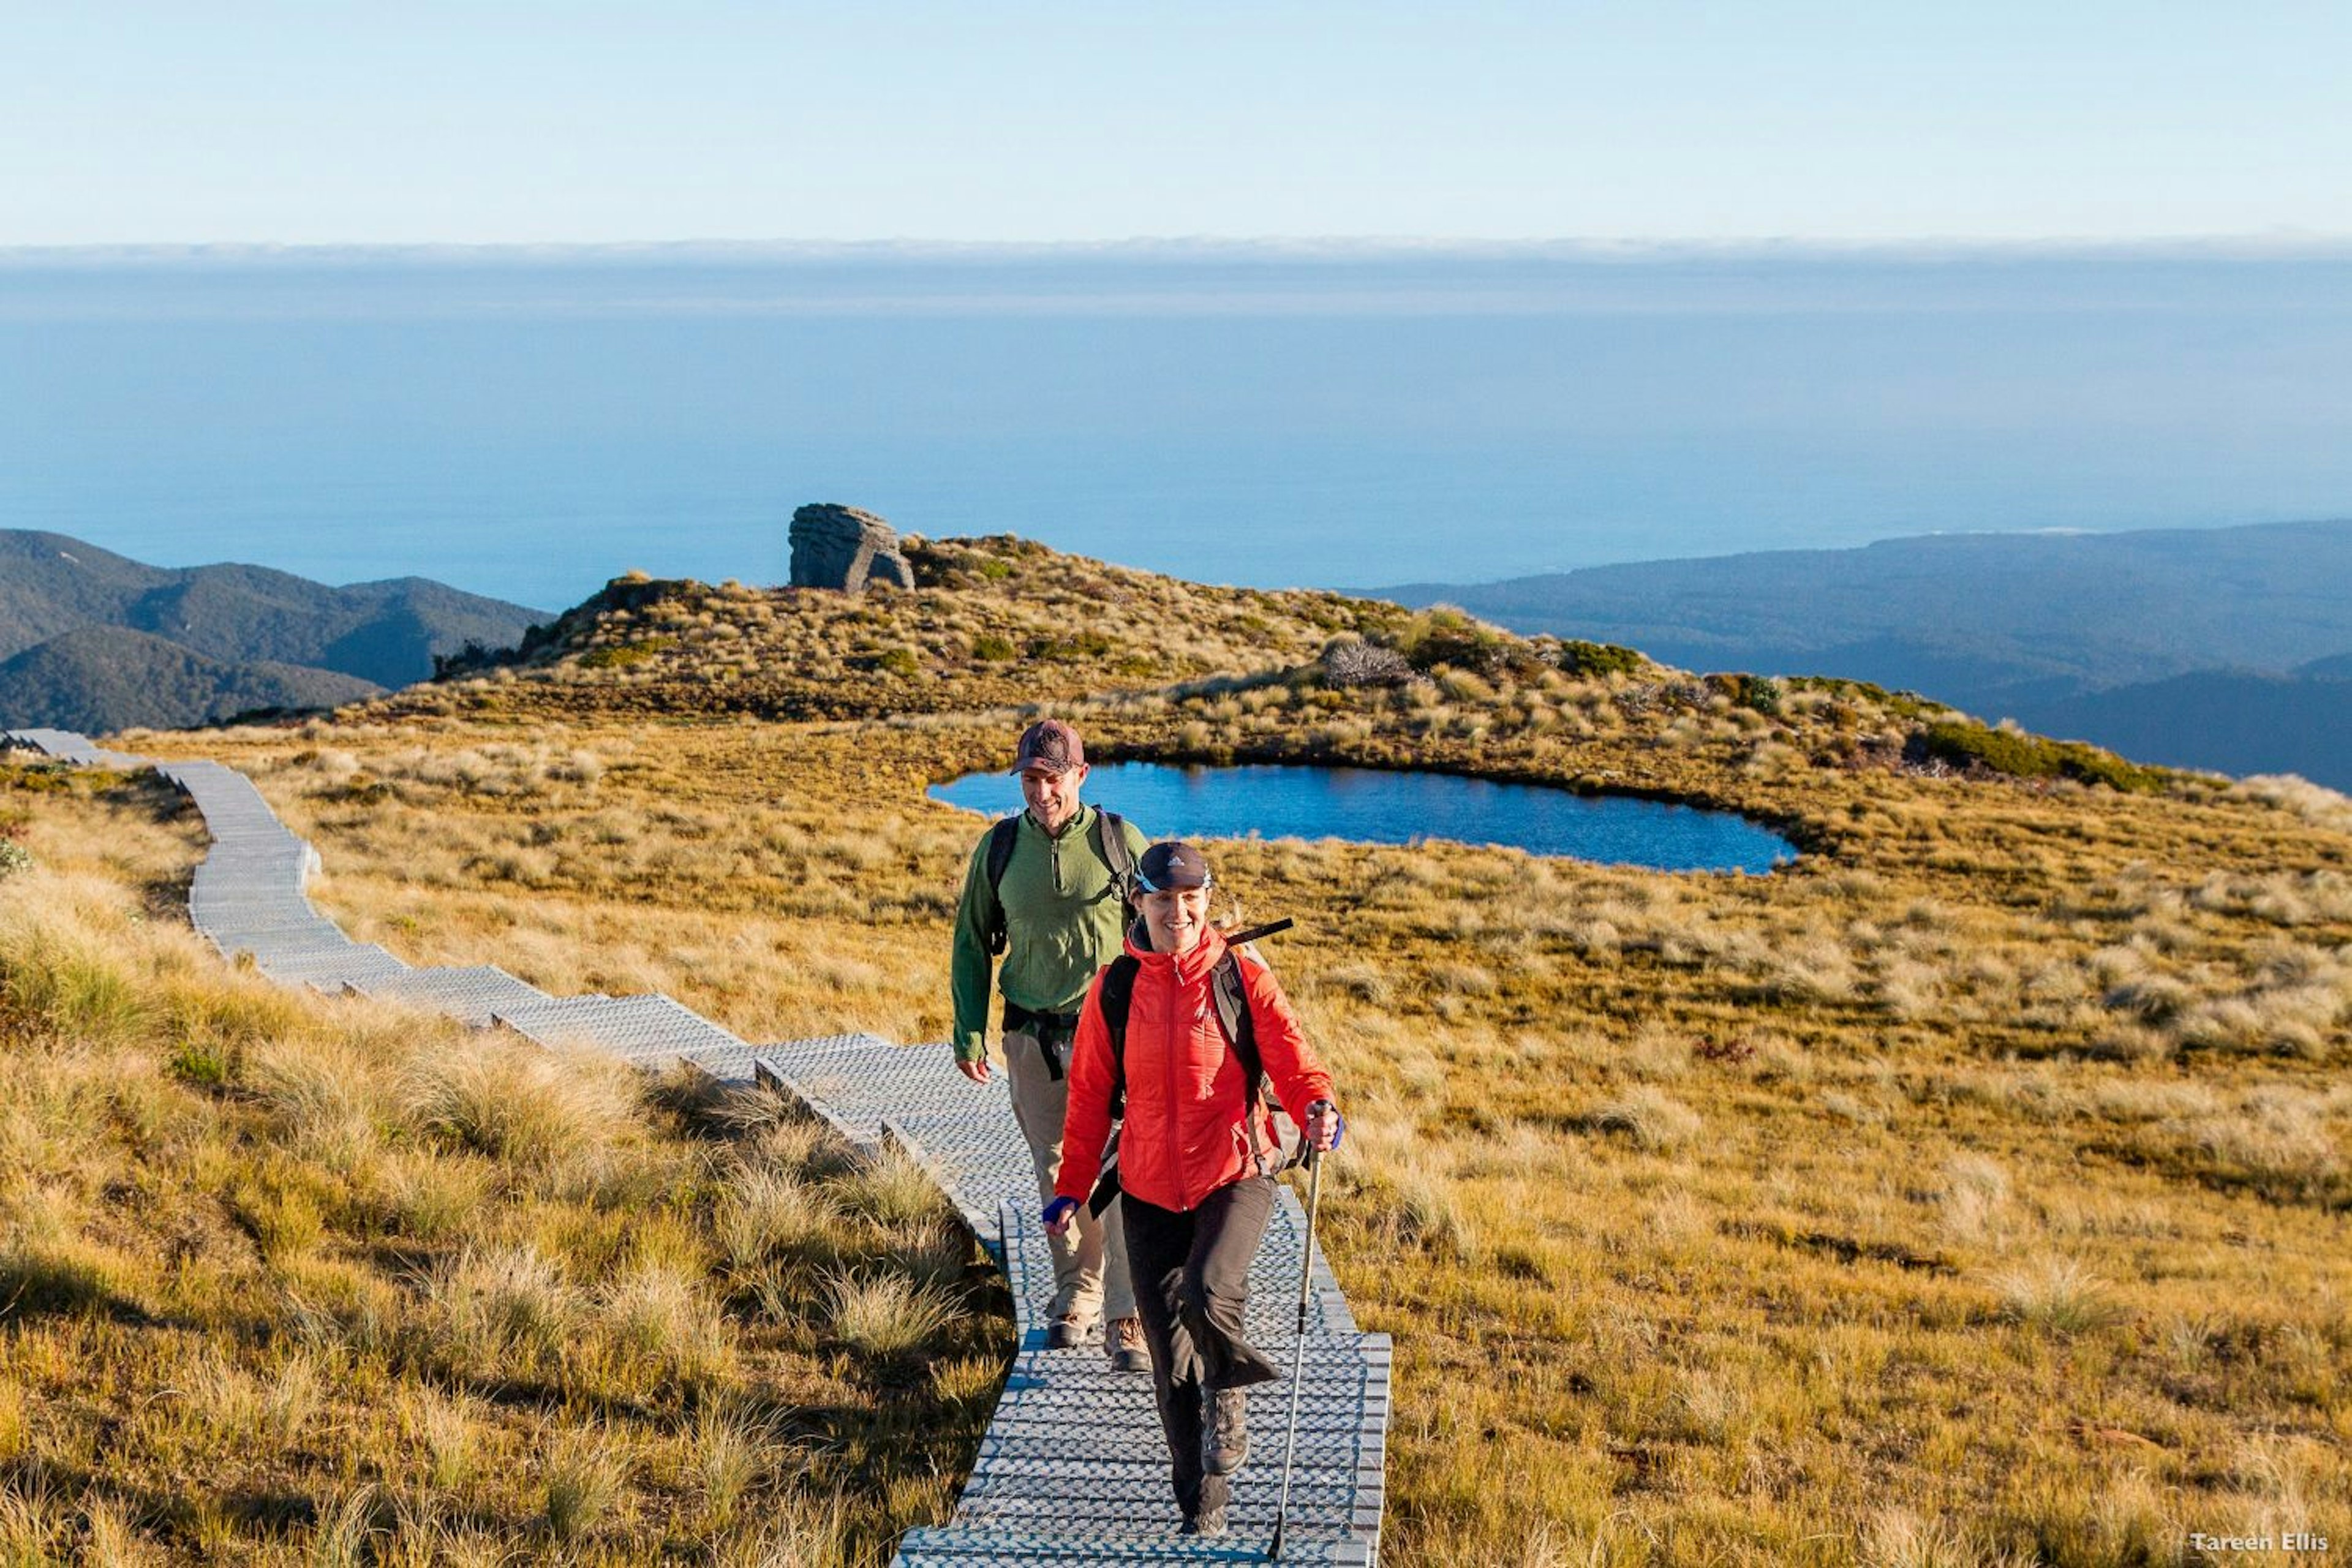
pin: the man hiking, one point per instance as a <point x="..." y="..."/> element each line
<point x="1048" y="889"/>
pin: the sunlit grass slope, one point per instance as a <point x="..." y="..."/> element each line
<point x="1973" y="1192"/>
<point x="991" y="620"/>
<point x="291" y="1280"/>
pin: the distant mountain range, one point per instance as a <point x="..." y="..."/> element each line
<point x="2232" y="722"/>
<point x="95" y="641"/>
<point x="2226" y="648"/>
<point x="2222" y="648"/>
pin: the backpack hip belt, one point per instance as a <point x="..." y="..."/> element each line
<point x="1055" y="1033"/>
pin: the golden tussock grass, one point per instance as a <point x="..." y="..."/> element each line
<point x="291" y="1279"/>
<point x="1972" y="1191"/>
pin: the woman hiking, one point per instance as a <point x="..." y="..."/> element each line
<point x="1196" y="1157"/>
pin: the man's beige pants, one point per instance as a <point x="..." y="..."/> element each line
<point x="1090" y="1278"/>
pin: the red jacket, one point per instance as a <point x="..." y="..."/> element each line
<point x="1186" y="1132"/>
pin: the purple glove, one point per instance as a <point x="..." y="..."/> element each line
<point x="1339" y="1123"/>
<point x="1058" y="1213"/>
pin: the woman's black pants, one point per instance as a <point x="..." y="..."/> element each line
<point x="1192" y="1285"/>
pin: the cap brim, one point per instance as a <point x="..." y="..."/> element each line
<point x="1036" y="763"/>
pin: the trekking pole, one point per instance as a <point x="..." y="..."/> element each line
<point x="1299" y="1356"/>
<point x="1271" y="928"/>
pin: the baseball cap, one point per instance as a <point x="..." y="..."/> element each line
<point x="1171" y="866"/>
<point x="1050" y="744"/>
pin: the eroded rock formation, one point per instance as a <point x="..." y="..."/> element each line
<point x="836" y="546"/>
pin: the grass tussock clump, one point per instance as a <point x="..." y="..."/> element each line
<point x="886" y="1313"/>
<point x="2055" y="1294"/>
<point x="257" y="1245"/>
<point x="1650" y="1118"/>
<point x="528" y="1108"/>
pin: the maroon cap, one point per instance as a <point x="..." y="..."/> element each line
<point x="1050" y="744"/>
<point x="1171" y="866"/>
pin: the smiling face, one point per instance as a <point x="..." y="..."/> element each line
<point x="1176" y="919"/>
<point x="1053" y="796"/>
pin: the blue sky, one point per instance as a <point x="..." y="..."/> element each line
<point x="530" y="121"/>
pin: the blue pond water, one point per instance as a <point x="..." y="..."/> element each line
<point x="1373" y="807"/>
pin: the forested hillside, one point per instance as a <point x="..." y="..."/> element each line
<point x="253" y="636"/>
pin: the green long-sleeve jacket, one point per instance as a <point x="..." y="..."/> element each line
<point x="1061" y="920"/>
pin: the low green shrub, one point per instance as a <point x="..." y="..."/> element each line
<point x="1077" y="646"/>
<point x="956" y="563"/>
<point x="1578" y="657"/>
<point x="1446" y="636"/>
<point x="202" y="1062"/>
<point x="624" y="655"/>
<point x="38" y="778"/>
<point x="2020" y="755"/>
<point x="1902" y="704"/>
<point x="1760" y="692"/>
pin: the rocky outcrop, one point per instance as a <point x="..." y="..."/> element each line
<point x="836" y="546"/>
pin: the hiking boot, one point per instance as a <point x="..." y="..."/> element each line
<point x="1228" y="1433"/>
<point x="1068" y="1329"/>
<point x="1123" y="1338"/>
<point x="1208" y="1522"/>
<point x="1208" y="1516"/>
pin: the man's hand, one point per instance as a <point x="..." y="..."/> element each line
<point x="975" y="1069"/>
<point x="1058" y="1214"/>
<point x="1325" y="1126"/>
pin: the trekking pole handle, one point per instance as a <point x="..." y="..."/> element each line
<point x="1271" y="928"/>
<point x="1322" y="1107"/>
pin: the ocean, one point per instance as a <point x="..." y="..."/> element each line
<point x="529" y="423"/>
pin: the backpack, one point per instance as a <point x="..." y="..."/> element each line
<point x="1109" y="839"/>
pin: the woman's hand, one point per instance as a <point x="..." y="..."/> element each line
<point x="1058" y="1214"/>
<point x="1325" y="1127"/>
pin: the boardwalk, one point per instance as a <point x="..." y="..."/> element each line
<point x="1071" y="1470"/>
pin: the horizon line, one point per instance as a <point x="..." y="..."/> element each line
<point x="2267" y="246"/>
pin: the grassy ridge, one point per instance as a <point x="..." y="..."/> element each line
<point x="1973" y="1192"/>
<point x="990" y="621"/>
<point x="299" y="1281"/>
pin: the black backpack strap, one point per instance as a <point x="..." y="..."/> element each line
<point x="1113" y="830"/>
<point x="1110" y="831"/>
<point x="1001" y="840"/>
<point x="1232" y="996"/>
<point x="1117" y="997"/>
<point x="1231" y="993"/>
